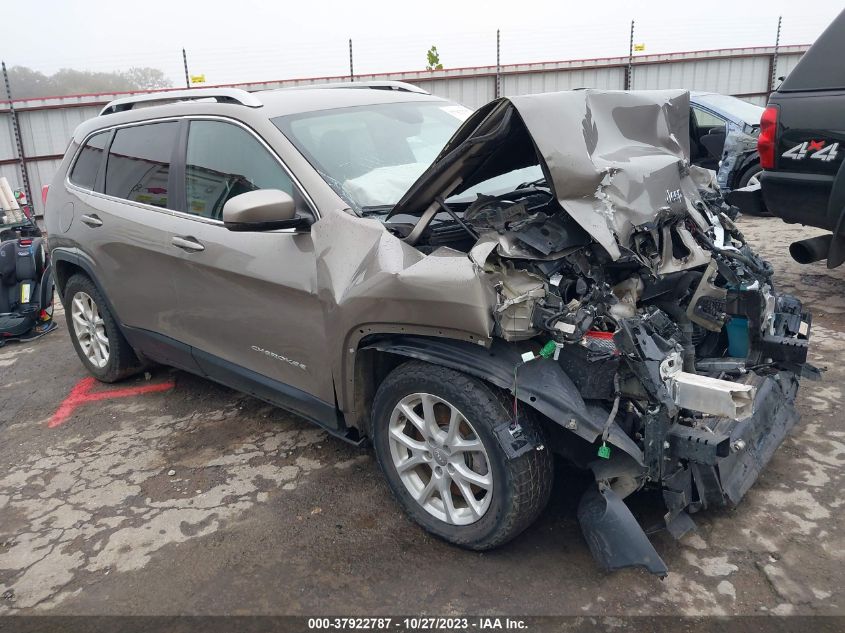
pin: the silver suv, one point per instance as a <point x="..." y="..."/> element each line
<point x="473" y="293"/>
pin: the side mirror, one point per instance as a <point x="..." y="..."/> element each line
<point x="262" y="210"/>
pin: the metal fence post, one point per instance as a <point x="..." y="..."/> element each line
<point x="18" y="142"/>
<point x="629" y="72"/>
<point x="774" y="75"/>
<point x="498" y="90"/>
<point x="351" y="67"/>
<point x="185" y="64"/>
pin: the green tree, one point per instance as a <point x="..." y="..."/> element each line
<point x="37" y="83"/>
<point x="147" y="78"/>
<point x="433" y="58"/>
<point x="27" y="83"/>
<point x="70" y="81"/>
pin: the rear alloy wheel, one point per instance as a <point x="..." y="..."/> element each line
<point x="89" y="329"/>
<point x="433" y="437"/>
<point x="95" y="334"/>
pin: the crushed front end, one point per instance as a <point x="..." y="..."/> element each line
<point x="698" y="367"/>
<point x="620" y="271"/>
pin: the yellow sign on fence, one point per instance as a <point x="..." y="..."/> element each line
<point x="639" y="47"/>
<point x="198" y="79"/>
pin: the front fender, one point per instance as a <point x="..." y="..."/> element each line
<point x="541" y="384"/>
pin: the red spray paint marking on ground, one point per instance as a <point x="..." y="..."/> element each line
<point x="82" y="394"/>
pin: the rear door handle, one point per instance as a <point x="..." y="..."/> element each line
<point x="187" y="244"/>
<point x="91" y="220"/>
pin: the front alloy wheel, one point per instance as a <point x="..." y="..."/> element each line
<point x="440" y="459"/>
<point x="89" y="329"/>
<point x="432" y="431"/>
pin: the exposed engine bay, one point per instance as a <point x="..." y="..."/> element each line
<point x="623" y="267"/>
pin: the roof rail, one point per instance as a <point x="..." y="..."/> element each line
<point x="399" y="86"/>
<point x="224" y="95"/>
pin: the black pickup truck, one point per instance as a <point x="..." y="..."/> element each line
<point x="802" y="145"/>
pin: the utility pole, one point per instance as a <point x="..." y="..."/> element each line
<point x="774" y="76"/>
<point x="498" y="67"/>
<point x="351" y="67"/>
<point x="185" y="63"/>
<point x="629" y="73"/>
<point x="18" y="142"/>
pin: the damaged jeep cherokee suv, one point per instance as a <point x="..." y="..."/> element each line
<point x="550" y="276"/>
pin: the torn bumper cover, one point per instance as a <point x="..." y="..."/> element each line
<point x="613" y="535"/>
<point x="698" y="460"/>
<point x="716" y="463"/>
<point x="711" y="465"/>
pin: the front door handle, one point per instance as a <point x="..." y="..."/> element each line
<point x="91" y="220"/>
<point x="187" y="244"/>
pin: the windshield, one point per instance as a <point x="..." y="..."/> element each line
<point x="372" y="154"/>
<point x="736" y="109"/>
<point x="504" y="183"/>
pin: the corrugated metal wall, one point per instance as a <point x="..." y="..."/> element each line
<point x="46" y="125"/>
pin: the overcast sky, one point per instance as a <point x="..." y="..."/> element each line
<point x="251" y="40"/>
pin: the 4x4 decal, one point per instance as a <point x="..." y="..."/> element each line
<point x="813" y="149"/>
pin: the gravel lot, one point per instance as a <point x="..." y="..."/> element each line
<point x="198" y="500"/>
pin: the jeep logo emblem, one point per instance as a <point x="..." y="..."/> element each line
<point x="673" y="195"/>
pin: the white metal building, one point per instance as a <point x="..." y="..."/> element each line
<point x="46" y="124"/>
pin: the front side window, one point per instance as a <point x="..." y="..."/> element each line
<point x="738" y="109"/>
<point x="84" y="172"/>
<point x="372" y="154"/>
<point x="223" y="161"/>
<point x="138" y="167"/>
<point x="706" y="120"/>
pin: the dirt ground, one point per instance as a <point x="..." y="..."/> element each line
<point x="198" y="500"/>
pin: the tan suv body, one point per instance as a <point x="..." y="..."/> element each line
<point x="549" y="276"/>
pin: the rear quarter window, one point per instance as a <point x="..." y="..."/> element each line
<point x="87" y="165"/>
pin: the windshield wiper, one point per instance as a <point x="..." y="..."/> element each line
<point x="439" y="200"/>
<point x="533" y="183"/>
<point x="378" y="209"/>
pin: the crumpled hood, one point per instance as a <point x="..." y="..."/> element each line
<point x="616" y="161"/>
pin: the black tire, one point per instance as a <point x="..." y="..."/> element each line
<point x="744" y="179"/>
<point x="748" y="174"/>
<point x="122" y="361"/>
<point x="521" y="487"/>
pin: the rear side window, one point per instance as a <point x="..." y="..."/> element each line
<point x="138" y="167"/>
<point x="84" y="172"/>
<point x="223" y="161"/>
